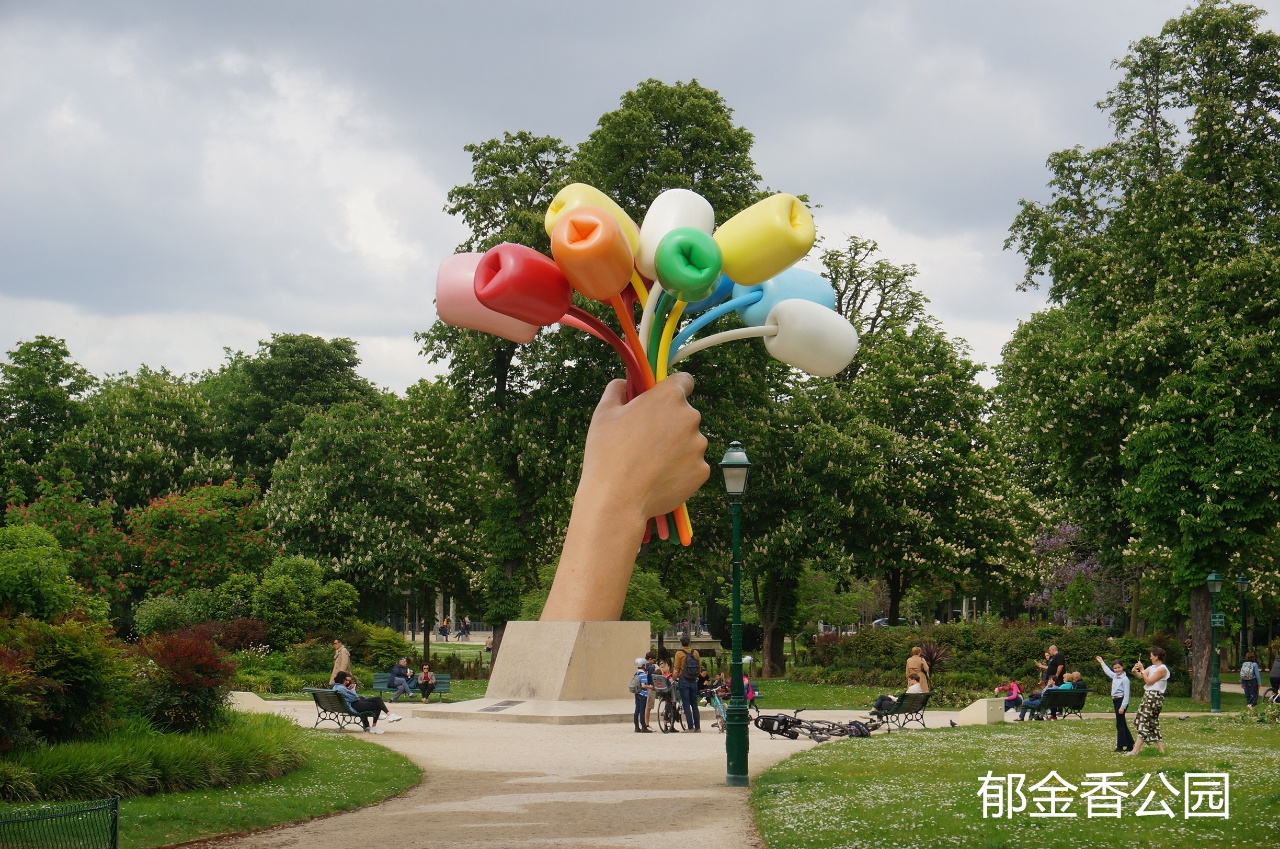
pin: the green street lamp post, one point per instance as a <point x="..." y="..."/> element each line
<point x="1214" y="585"/>
<point x="735" y="467"/>
<point x="1242" y="587"/>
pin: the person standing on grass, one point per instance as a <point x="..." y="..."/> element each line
<point x="1250" y="676"/>
<point x="1155" y="680"/>
<point x="1119" y="702"/>
<point x="341" y="661"/>
<point x="688" y="665"/>
<point x="916" y="665"/>
<point x="342" y="685"/>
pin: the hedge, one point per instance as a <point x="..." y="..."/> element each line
<point x="980" y="656"/>
<point x="140" y="763"/>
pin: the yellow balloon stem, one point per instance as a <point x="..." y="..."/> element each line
<point x="668" y="332"/>
<point x="642" y="291"/>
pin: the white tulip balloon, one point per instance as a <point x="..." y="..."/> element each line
<point x="811" y="337"/>
<point x="669" y="211"/>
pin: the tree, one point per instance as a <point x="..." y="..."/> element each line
<point x="87" y="533"/>
<point x="377" y="494"/>
<point x="1148" y="386"/>
<point x="513" y="180"/>
<point x="147" y="435"/>
<point x="41" y="392"/>
<point x="262" y="400"/>
<point x="875" y="294"/>
<point x="663" y="137"/>
<point x="197" y="539"/>
<point x="903" y="476"/>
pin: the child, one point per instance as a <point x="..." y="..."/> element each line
<point x="1119" y="702"/>
<point x="1014" y="699"/>
<point x="642" y="697"/>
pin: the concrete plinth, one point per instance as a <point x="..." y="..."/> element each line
<point x="982" y="712"/>
<point x="567" y="661"/>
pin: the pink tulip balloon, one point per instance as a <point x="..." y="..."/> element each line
<point x="457" y="305"/>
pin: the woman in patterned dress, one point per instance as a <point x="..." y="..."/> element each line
<point x="1155" y="679"/>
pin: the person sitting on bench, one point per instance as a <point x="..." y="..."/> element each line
<point x="341" y="685"/>
<point x="886" y="703"/>
<point x="401" y="679"/>
<point x="1033" y="701"/>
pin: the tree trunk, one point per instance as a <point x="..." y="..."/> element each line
<point x="1201" y="646"/>
<point x="775" y="657"/>
<point x="894" y="583"/>
<point x="1133" y="606"/>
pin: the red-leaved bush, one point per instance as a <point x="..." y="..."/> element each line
<point x="182" y="679"/>
<point x="242" y="634"/>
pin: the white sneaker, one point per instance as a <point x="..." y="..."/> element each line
<point x="394" y="717"/>
<point x="376" y="730"/>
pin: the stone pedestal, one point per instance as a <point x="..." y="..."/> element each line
<point x="982" y="712"/>
<point x="567" y="661"/>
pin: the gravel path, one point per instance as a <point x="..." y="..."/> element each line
<point x="496" y="785"/>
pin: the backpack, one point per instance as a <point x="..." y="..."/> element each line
<point x="1252" y="670"/>
<point x="859" y="729"/>
<point x="692" y="667"/>
<point x="634" y="686"/>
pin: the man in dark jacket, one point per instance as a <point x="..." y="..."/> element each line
<point x="401" y="679"/>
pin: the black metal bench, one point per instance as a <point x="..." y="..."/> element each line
<point x="1066" y="702"/>
<point x="908" y="707"/>
<point x="78" y="825"/>
<point x="382" y="684"/>
<point x="331" y="707"/>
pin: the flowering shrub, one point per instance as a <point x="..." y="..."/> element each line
<point x="182" y="680"/>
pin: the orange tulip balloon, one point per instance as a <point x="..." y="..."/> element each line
<point x="592" y="251"/>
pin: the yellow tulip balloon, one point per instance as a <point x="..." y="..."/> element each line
<point x="765" y="239"/>
<point x="575" y="195"/>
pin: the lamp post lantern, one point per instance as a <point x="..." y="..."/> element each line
<point x="1242" y="587"/>
<point x="735" y="466"/>
<point x="1214" y="584"/>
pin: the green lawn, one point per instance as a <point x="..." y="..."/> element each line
<point x="373" y="773"/>
<point x="920" y="788"/>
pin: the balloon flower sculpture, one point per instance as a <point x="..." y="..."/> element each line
<point x="677" y="264"/>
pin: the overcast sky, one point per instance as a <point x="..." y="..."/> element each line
<point x="177" y="178"/>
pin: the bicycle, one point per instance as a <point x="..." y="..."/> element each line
<point x="712" y="696"/>
<point x="1272" y="695"/>
<point x="668" y="707"/>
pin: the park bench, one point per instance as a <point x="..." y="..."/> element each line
<point x="382" y="684"/>
<point x="78" y="825"/>
<point x="1066" y="702"/>
<point x="331" y="707"/>
<point x="909" y="707"/>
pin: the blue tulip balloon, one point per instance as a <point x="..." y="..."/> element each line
<point x="792" y="284"/>
<point x="720" y="295"/>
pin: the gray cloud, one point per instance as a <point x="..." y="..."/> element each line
<point x="180" y="177"/>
